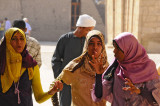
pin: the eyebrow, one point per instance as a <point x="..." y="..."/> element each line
<point x="13" y="34"/>
<point x="98" y="41"/>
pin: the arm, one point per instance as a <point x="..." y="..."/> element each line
<point x="147" y="91"/>
<point x="102" y="89"/>
<point x="34" y="49"/>
<point x="66" y="77"/>
<point x="41" y="96"/>
<point x="57" y="58"/>
<point x="38" y="55"/>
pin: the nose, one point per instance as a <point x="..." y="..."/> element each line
<point x="19" y="41"/>
<point x="95" y="46"/>
<point x="114" y="51"/>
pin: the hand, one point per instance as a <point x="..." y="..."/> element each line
<point x="97" y="64"/>
<point x="55" y="87"/>
<point x="131" y="87"/>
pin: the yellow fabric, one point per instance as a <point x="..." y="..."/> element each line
<point x="82" y="78"/>
<point x="13" y="67"/>
<point x="2" y="27"/>
<point x="14" y="70"/>
<point x="40" y="96"/>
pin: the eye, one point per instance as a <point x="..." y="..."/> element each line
<point x="14" y="38"/>
<point x="91" y="43"/>
<point x="99" y="44"/>
<point x="21" y="38"/>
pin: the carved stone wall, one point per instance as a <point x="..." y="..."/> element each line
<point x="140" y="17"/>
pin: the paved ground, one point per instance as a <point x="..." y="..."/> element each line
<point x="47" y="49"/>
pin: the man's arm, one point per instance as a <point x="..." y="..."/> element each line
<point x="38" y="55"/>
<point x="57" y="58"/>
<point x="34" y="49"/>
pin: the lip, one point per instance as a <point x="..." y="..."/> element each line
<point x="19" y="47"/>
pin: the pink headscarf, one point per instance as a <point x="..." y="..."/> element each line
<point x="136" y="66"/>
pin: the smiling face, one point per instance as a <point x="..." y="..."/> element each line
<point x="18" y="42"/>
<point x="118" y="53"/>
<point x="95" y="47"/>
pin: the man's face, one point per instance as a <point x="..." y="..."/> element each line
<point x="83" y="31"/>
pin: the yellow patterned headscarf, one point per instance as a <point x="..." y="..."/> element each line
<point x="83" y="58"/>
<point x="13" y="66"/>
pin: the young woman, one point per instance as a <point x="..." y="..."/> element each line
<point x="81" y="75"/>
<point x="134" y="81"/>
<point x="20" y="73"/>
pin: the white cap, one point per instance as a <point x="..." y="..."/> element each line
<point x="25" y="19"/>
<point x="86" y="21"/>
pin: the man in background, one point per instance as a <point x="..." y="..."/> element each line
<point x="28" y="26"/>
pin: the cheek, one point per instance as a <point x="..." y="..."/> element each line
<point x="122" y="56"/>
<point x="23" y="45"/>
<point x="100" y="49"/>
<point x="89" y="50"/>
<point x="114" y="51"/>
<point x="13" y="44"/>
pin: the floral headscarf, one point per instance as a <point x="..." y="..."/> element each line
<point x="13" y="63"/>
<point x="136" y="65"/>
<point x="83" y="59"/>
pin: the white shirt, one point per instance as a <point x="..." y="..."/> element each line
<point x="7" y="25"/>
<point x="28" y="28"/>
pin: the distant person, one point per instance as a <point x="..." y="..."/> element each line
<point x="2" y="25"/>
<point x="28" y="26"/>
<point x="7" y="24"/>
<point x="70" y="46"/>
<point x="33" y="45"/>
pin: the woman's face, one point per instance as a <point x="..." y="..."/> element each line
<point x="118" y="53"/>
<point x="17" y="42"/>
<point x="94" y="47"/>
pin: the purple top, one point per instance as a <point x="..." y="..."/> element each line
<point x="138" y="68"/>
<point x="112" y="92"/>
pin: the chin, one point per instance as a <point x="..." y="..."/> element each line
<point x="19" y="51"/>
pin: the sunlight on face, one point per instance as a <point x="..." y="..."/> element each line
<point x="95" y="47"/>
<point x="17" y="42"/>
<point x="83" y="31"/>
<point x="118" y="53"/>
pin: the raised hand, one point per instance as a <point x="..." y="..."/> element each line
<point x="97" y="64"/>
<point x="132" y="88"/>
<point x="55" y="87"/>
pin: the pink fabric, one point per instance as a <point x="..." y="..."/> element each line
<point x="17" y="92"/>
<point x="136" y="66"/>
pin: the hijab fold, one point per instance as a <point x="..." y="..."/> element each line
<point x="136" y="65"/>
<point x="83" y="59"/>
<point x="13" y="63"/>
